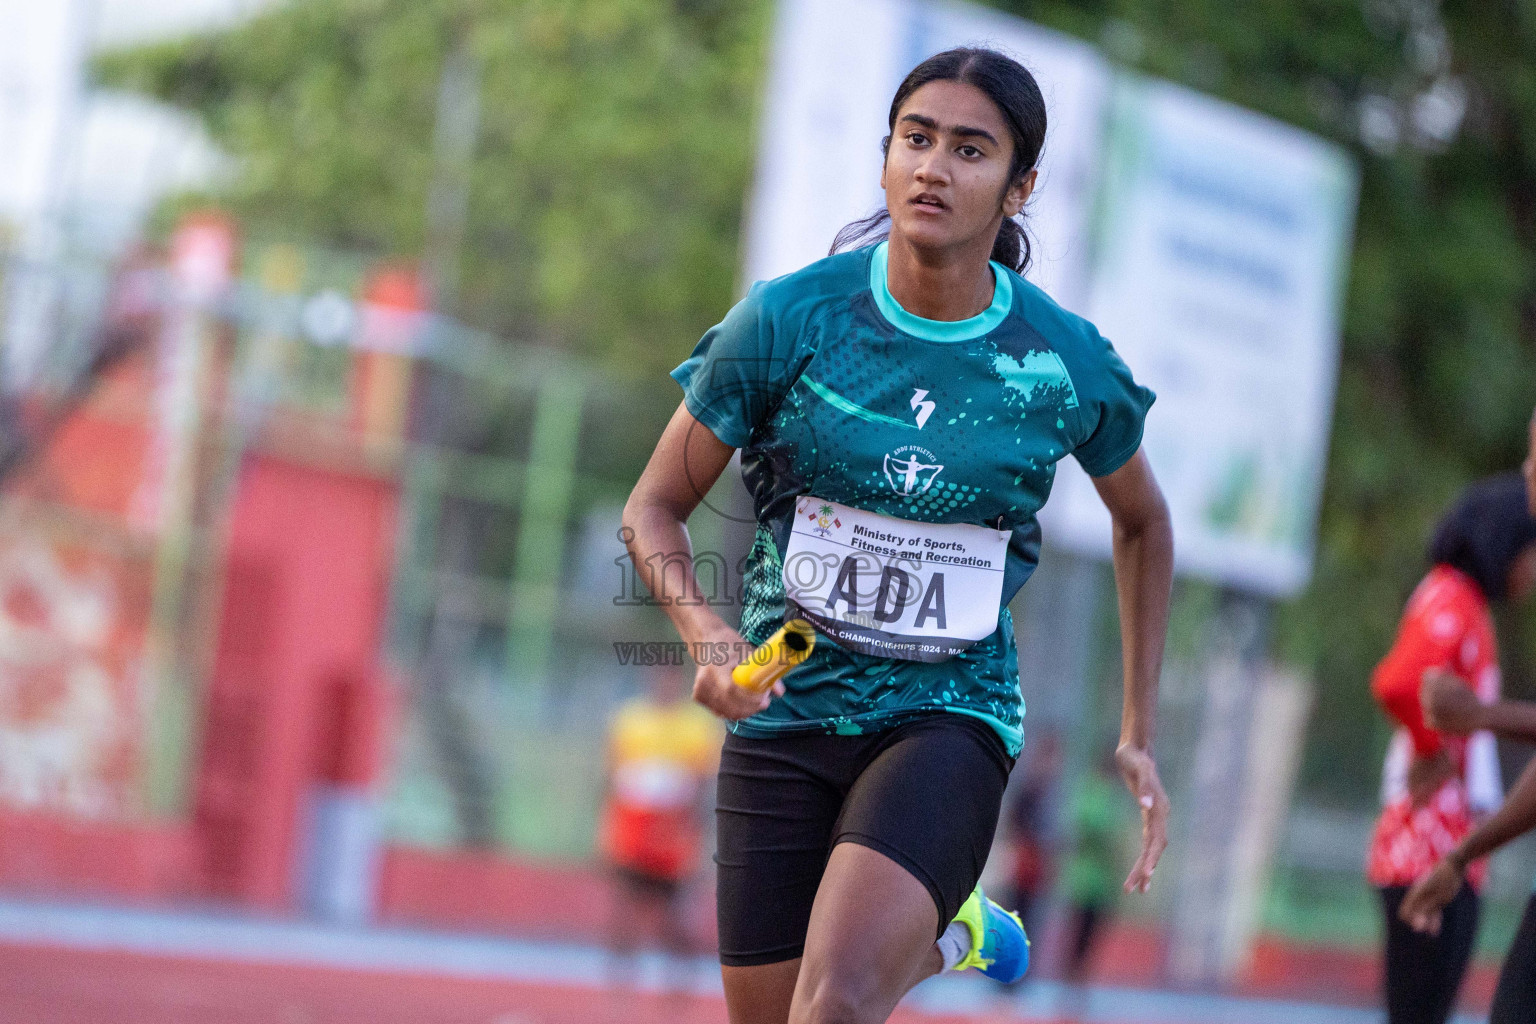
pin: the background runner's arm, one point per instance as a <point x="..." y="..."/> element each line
<point x="1516" y="817"/>
<point x="1450" y="706"/>
<point x="1143" y="554"/>
<point x="1421" y="907"/>
<point x="687" y="461"/>
<point x="1515" y="719"/>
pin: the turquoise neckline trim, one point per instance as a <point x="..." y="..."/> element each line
<point x="982" y="323"/>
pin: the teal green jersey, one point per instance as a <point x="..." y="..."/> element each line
<point x="896" y="466"/>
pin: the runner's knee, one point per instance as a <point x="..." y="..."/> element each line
<point x="845" y="999"/>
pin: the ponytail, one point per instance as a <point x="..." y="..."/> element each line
<point x="1012" y="246"/>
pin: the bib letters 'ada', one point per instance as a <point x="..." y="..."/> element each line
<point x="896" y="465"/>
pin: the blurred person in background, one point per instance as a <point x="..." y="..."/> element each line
<point x="1091" y="874"/>
<point x="662" y="751"/>
<point x="1031" y="830"/>
<point x="1435" y="784"/>
<point x="858" y="799"/>
<point x="1450" y="707"/>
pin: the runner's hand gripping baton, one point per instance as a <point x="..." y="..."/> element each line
<point x="779" y="653"/>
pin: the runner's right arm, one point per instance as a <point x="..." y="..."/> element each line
<point x="687" y="461"/>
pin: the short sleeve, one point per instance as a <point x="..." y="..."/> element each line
<point x="1394" y="770"/>
<point x="1428" y="638"/>
<point x="1485" y="786"/>
<point x="1114" y="409"/>
<point x="738" y="372"/>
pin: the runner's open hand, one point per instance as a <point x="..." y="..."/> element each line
<point x="1421" y="907"/>
<point x="1140" y="773"/>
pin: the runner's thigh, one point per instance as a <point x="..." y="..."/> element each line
<point x="929" y="800"/>
<point x="776" y="805"/>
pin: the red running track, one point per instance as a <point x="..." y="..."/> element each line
<point x="53" y="985"/>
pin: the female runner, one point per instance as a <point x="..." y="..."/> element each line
<point x="1450" y="707"/>
<point x="900" y="408"/>
<point x="1436" y="783"/>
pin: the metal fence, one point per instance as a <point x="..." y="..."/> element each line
<point x="508" y="609"/>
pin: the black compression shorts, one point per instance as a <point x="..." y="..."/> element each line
<point x="925" y="793"/>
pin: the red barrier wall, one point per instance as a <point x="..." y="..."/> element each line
<point x="309" y="559"/>
<point x="56" y="854"/>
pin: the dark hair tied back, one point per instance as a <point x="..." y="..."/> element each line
<point x="1485" y="532"/>
<point x="1017" y="95"/>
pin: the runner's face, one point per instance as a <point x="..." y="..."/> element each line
<point x="946" y="174"/>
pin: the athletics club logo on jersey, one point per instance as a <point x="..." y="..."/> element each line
<point x="908" y="475"/>
<point x="825" y="518"/>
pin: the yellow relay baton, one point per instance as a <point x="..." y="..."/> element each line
<point x="778" y="654"/>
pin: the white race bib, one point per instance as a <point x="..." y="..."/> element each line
<point x="893" y="588"/>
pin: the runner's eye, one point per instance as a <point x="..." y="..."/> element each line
<point x="917" y="138"/>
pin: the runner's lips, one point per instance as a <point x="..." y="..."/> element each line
<point x="927" y="201"/>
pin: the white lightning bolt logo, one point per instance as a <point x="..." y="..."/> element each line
<point x="924" y="409"/>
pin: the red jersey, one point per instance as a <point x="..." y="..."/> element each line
<point x="1446" y="626"/>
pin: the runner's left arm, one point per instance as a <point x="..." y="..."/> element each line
<point x="1451" y="706"/>
<point x="1421" y="908"/>
<point x="1143" y="555"/>
<point x="687" y="461"/>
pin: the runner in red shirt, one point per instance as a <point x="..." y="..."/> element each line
<point x="1435" y="784"/>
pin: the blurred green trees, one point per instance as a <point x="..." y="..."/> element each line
<point x="614" y="149"/>
<point x="614" y="144"/>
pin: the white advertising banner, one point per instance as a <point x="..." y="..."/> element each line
<point x="41" y="50"/>
<point x="1218" y="267"/>
<point x="41" y="87"/>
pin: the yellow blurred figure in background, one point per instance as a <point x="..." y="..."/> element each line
<point x="662" y="752"/>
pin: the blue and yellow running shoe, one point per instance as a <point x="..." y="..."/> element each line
<point x="999" y="947"/>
